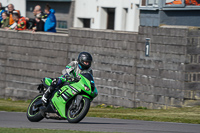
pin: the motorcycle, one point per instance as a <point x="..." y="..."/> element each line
<point x="70" y="101"/>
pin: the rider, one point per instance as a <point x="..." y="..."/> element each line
<point x="82" y="65"/>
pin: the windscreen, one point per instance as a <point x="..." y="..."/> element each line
<point x="88" y="76"/>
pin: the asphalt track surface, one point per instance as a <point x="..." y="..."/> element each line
<point x="19" y="120"/>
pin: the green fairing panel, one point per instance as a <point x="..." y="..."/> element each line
<point x="60" y="104"/>
<point x="87" y="97"/>
<point x="67" y="90"/>
<point x="88" y="84"/>
<point x="48" y="81"/>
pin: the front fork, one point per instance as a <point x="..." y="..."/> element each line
<point x="76" y="102"/>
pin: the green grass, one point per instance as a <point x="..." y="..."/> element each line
<point x="28" y="130"/>
<point x="180" y="115"/>
<point x="13" y="106"/>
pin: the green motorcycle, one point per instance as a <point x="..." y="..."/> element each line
<point x="70" y="101"/>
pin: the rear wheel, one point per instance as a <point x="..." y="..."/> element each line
<point x="74" y="115"/>
<point x="33" y="113"/>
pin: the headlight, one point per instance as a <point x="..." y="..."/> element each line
<point x="86" y="88"/>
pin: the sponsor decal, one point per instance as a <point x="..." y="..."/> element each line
<point x="73" y="92"/>
<point x="74" y="89"/>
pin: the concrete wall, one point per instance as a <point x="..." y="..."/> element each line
<point x="149" y="18"/>
<point x="26" y="57"/>
<point x="192" y="68"/>
<point x="176" y="16"/>
<point x="183" y="17"/>
<point x="160" y="77"/>
<point x="124" y="76"/>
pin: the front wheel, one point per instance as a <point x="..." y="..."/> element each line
<point x="74" y="115"/>
<point x="33" y="113"/>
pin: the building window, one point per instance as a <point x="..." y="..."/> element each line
<point x="85" y="22"/>
<point x="152" y="2"/>
<point x="146" y="3"/>
<point x="143" y="3"/>
<point x="111" y="18"/>
<point x="174" y="2"/>
<point x="183" y="2"/>
<point x="192" y="2"/>
<point x="61" y="24"/>
<point x="107" y="18"/>
<point x="170" y="4"/>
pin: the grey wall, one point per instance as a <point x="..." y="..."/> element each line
<point x="183" y="17"/>
<point x="149" y="18"/>
<point x="114" y="63"/>
<point x="192" y="67"/>
<point x="124" y="76"/>
<point x="160" y="77"/>
<point x="169" y="17"/>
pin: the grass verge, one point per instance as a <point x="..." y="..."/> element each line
<point x="13" y="106"/>
<point x="29" y="130"/>
<point x="180" y="115"/>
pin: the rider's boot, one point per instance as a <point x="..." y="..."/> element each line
<point x="49" y="91"/>
<point x="46" y="95"/>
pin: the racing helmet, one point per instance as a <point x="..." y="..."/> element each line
<point x="84" y="57"/>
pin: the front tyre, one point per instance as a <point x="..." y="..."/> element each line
<point x="33" y="113"/>
<point x="76" y="115"/>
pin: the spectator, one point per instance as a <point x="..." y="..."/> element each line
<point x="10" y="12"/>
<point x="21" y="21"/>
<point x="39" y="23"/>
<point x="5" y="21"/>
<point x="37" y="11"/>
<point x="1" y="11"/>
<point x="50" y="24"/>
<point x="32" y="22"/>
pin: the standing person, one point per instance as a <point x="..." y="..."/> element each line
<point x="38" y="10"/>
<point x="31" y="21"/>
<point x="1" y="11"/>
<point x="39" y="23"/>
<point x="10" y="12"/>
<point x="50" y="24"/>
<point x="5" y="20"/>
<point x="21" y="21"/>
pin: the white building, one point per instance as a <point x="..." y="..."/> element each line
<point x="18" y="4"/>
<point x="107" y="14"/>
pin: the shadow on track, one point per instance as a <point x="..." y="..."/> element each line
<point x="95" y="123"/>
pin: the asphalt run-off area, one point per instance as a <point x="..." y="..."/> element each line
<point x="19" y="120"/>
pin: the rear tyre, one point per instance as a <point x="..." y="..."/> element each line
<point x="76" y="115"/>
<point x="33" y="113"/>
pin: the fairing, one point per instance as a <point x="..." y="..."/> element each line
<point x="67" y="92"/>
